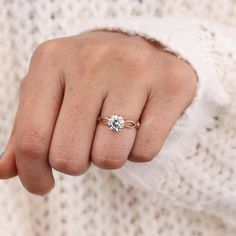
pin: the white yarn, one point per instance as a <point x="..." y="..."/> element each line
<point x="190" y="187"/>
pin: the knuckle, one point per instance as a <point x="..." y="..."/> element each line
<point x="67" y="162"/>
<point x="141" y="157"/>
<point x="108" y="159"/>
<point x="128" y="57"/>
<point x="99" y="53"/>
<point x="40" y="190"/>
<point x="47" y="47"/>
<point x="145" y="152"/>
<point x="31" y="145"/>
<point x="93" y="57"/>
<point x="46" y="52"/>
<point x="70" y="167"/>
<point x="180" y="77"/>
<point x="108" y="163"/>
<point x="139" y="59"/>
<point x="124" y="56"/>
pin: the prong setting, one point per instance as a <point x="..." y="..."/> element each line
<point x="116" y="123"/>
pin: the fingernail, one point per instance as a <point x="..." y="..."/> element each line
<point x="1" y="152"/>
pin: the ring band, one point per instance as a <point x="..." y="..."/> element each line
<point x="117" y="122"/>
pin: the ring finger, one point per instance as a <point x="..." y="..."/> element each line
<point x="110" y="148"/>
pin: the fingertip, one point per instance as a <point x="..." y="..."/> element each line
<point x="7" y="164"/>
<point x="42" y="190"/>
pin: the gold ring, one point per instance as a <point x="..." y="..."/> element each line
<point x="117" y="122"/>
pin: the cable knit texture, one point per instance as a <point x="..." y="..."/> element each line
<point x="190" y="187"/>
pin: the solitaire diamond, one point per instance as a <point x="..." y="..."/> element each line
<point x="116" y="122"/>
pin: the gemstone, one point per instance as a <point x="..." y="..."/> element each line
<point x="116" y="122"/>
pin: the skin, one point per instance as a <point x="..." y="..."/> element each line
<point x="70" y="82"/>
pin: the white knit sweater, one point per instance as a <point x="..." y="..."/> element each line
<point x="189" y="189"/>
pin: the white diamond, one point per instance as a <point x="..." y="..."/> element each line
<point x="116" y="122"/>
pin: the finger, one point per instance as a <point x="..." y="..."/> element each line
<point x="76" y="124"/>
<point x="111" y="149"/>
<point x="38" y="109"/>
<point x="158" y="117"/>
<point x="7" y="161"/>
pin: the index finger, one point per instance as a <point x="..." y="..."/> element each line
<point x="39" y="106"/>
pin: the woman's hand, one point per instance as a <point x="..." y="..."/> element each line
<point x="70" y="82"/>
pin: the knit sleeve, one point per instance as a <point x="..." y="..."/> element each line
<point x="196" y="167"/>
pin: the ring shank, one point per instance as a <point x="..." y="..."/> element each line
<point x="127" y="123"/>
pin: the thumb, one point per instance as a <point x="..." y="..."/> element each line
<point x="7" y="161"/>
<point x="8" y="167"/>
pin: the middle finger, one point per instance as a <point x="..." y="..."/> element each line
<point x="75" y="127"/>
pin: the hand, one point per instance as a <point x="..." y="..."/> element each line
<point x="70" y="82"/>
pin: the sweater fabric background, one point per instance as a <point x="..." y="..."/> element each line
<point x="189" y="189"/>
